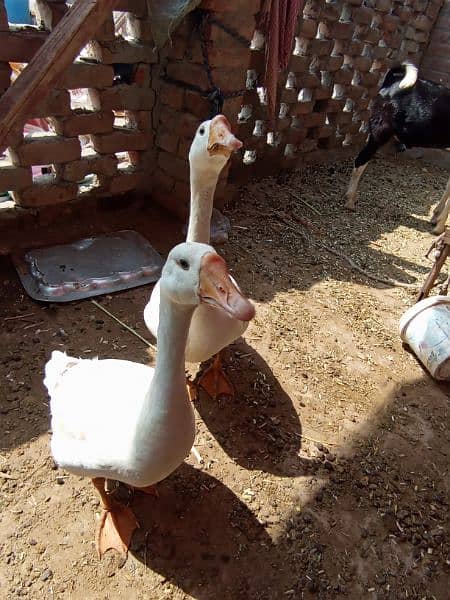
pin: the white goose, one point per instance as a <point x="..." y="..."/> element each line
<point x="211" y="330"/>
<point x="115" y="419"/>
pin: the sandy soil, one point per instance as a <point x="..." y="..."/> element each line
<point x="327" y="477"/>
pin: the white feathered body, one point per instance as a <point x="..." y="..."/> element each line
<point x="96" y="407"/>
<point x="210" y="331"/>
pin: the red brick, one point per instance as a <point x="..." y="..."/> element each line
<point x="184" y="124"/>
<point x="45" y="150"/>
<point x="137" y="7"/>
<point x="189" y="73"/>
<point x="308" y="28"/>
<point x="362" y="15"/>
<point x="391" y="22"/>
<point x="77" y="170"/>
<point x="162" y="181"/>
<point x="4" y="26"/>
<point x="251" y="6"/>
<point x="123" y="97"/>
<point x="173" y="166"/>
<point x="5" y="76"/>
<point x="171" y="95"/>
<point x="321" y="47"/>
<point x="331" y="63"/>
<point x="86" y="75"/>
<point x="46" y="194"/>
<point x="57" y="104"/>
<point x="166" y="140"/>
<point x="422" y="22"/>
<point x="120" y="141"/>
<point x="197" y="105"/>
<point x="299" y="64"/>
<point x="123" y="51"/>
<point x="20" y="46"/>
<point x="125" y="182"/>
<point x="82" y="124"/>
<point x="15" y="178"/>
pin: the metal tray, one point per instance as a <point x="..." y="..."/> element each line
<point x="88" y="267"/>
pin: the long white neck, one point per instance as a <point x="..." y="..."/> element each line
<point x="203" y="186"/>
<point x="167" y="393"/>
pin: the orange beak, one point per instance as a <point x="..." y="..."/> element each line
<point x="221" y="140"/>
<point x="218" y="289"/>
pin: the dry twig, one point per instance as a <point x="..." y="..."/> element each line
<point x="127" y="327"/>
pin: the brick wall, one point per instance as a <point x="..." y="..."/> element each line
<point x="110" y="139"/>
<point x="97" y="137"/>
<point x="436" y="61"/>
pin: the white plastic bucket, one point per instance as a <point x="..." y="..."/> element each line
<point x="425" y="327"/>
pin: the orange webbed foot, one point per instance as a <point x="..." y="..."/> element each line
<point x="115" y="530"/>
<point x="215" y="382"/>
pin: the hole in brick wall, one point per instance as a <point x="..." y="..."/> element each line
<point x="347" y="140"/>
<point x="356" y="79"/>
<point x="89" y="183"/>
<point x="284" y="110"/>
<point x="38" y="127"/>
<point x="314" y="65"/>
<point x="291" y="81"/>
<point x="6" y="201"/>
<point x="346" y="14"/>
<point x="43" y="173"/>
<point x="258" y="130"/>
<point x="321" y="31"/>
<point x="273" y="138"/>
<point x="262" y="95"/>
<point x="326" y="79"/>
<point x="124" y="161"/>
<point x="258" y="40"/>
<point x="377" y="22"/>
<point x="16" y="69"/>
<point x="348" y="105"/>
<point x="245" y="113"/>
<point x="290" y="150"/>
<point x="120" y="23"/>
<point x="120" y="119"/>
<point x="80" y="99"/>
<point x="249" y="157"/>
<point x="252" y="79"/>
<point x="301" y="46"/>
<point x="338" y="91"/>
<point x="305" y="95"/>
<point x="338" y="48"/>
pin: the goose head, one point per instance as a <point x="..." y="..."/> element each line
<point x="213" y="145"/>
<point x="194" y="273"/>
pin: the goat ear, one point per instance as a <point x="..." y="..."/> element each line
<point x="385" y="92"/>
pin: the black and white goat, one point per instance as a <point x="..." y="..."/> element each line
<point x="417" y="113"/>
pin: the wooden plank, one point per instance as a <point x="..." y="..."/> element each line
<point x="63" y="44"/>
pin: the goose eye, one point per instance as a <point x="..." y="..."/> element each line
<point x="184" y="264"/>
<point x="201" y="131"/>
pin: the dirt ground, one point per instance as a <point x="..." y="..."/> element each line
<point x="327" y="476"/>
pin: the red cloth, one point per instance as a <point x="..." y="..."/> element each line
<point x="278" y="21"/>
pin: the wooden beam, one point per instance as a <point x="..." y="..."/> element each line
<point x="63" y="44"/>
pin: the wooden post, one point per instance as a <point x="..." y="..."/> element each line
<point x="62" y="46"/>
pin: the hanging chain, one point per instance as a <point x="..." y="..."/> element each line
<point x="214" y="94"/>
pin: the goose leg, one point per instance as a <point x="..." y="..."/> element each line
<point x="214" y="380"/>
<point x="150" y="490"/>
<point x="191" y="389"/>
<point x="117" y="523"/>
